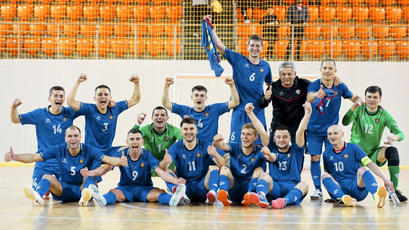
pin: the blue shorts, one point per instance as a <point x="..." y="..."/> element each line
<point x="239" y="189"/>
<point x="72" y="193"/>
<point x="314" y="143"/>
<point x="350" y="187"/>
<point x="44" y="168"/>
<point x="281" y="189"/>
<point x="240" y="118"/>
<point x="135" y="193"/>
<point x="196" y="190"/>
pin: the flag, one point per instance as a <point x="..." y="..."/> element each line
<point x="210" y="47"/>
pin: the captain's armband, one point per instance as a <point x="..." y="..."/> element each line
<point x="365" y="160"/>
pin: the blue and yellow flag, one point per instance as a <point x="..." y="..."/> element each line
<point x="209" y="46"/>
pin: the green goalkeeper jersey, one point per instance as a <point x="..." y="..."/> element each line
<point x="156" y="143"/>
<point x="367" y="128"/>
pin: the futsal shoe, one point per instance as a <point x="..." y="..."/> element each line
<point x="380" y="197"/>
<point x="259" y="199"/>
<point x="85" y="197"/>
<point x="33" y="195"/>
<point x="348" y="201"/>
<point x="400" y="196"/>
<point x="317" y="195"/>
<point x="46" y="196"/>
<point x="223" y="196"/>
<point x="211" y="197"/>
<point x="97" y="196"/>
<point x="246" y="200"/>
<point x="185" y="199"/>
<point x="279" y="203"/>
<point x="177" y="195"/>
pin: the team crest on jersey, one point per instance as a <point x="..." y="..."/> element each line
<point x="252" y="159"/>
<point x="110" y="117"/>
<point x="261" y="70"/>
<point x="198" y="155"/>
<point x="142" y="165"/>
<point x="166" y="138"/>
<point x="346" y="155"/>
<point x="81" y="161"/>
<point x="377" y="120"/>
<point x="64" y="118"/>
<point x="206" y="114"/>
<point x="298" y="92"/>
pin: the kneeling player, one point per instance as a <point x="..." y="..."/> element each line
<point x="136" y="184"/>
<point x="71" y="156"/>
<point x="283" y="185"/>
<point x="344" y="178"/>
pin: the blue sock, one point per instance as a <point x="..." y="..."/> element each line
<point x="43" y="186"/>
<point x="88" y="181"/>
<point x="110" y="197"/>
<point x="170" y="185"/>
<point x="332" y="188"/>
<point x="214" y="180"/>
<point x="253" y="184"/>
<point x="370" y="182"/>
<point x="262" y="186"/>
<point x="293" y="196"/>
<point x="315" y="169"/>
<point x="164" y="198"/>
<point x="224" y="182"/>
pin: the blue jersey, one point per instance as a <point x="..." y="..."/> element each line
<point x="207" y="120"/>
<point x="345" y="164"/>
<point x="70" y="166"/>
<point x="50" y="128"/>
<point x="327" y="113"/>
<point x="137" y="172"/>
<point x="191" y="164"/>
<point x="242" y="166"/>
<point x="100" y="128"/>
<point x="288" y="166"/>
<point x="248" y="78"/>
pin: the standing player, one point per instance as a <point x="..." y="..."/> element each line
<point x="287" y="96"/>
<point x="194" y="161"/>
<point x="249" y="74"/>
<point x="50" y="123"/>
<point x="369" y="122"/>
<point x="345" y="179"/>
<point x="207" y="116"/>
<point x="72" y="156"/>
<point x="282" y="185"/>
<point x="325" y="97"/>
<point x="100" y="118"/>
<point x="159" y="135"/>
<point x="135" y="184"/>
<point x="246" y="164"/>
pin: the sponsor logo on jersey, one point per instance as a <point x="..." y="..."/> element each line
<point x="183" y="156"/>
<point x="110" y="117"/>
<point x="247" y="65"/>
<point x="261" y="70"/>
<point x="346" y="155"/>
<point x="64" y="160"/>
<point x="206" y="114"/>
<point x="198" y="155"/>
<point x="47" y="120"/>
<point x="288" y="155"/>
<point x="81" y="161"/>
<point x="377" y="120"/>
<point x="142" y="165"/>
<point x="281" y="93"/>
<point x="331" y="158"/>
<point x="98" y="118"/>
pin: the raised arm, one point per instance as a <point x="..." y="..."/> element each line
<point x="71" y="101"/>
<point x="14" y="115"/>
<point x="136" y="95"/>
<point x="219" y="44"/>
<point x="23" y="157"/>
<point x="349" y="115"/>
<point x="165" y="95"/>
<point x="219" y="160"/>
<point x="299" y="135"/>
<point x="266" y="98"/>
<point x="220" y="144"/>
<point x="235" y="100"/>
<point x="116" y="161"/>
<point x="257" y="124"/>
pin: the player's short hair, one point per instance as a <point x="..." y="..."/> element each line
<point x="57" y="87"/>
<point x="329" y="60"/>
<point x="188" y="120"/>
<point x="134" y="131"/>
<point x="250" y="126"/>
<point x="73" y="127"/>
<point x="374" y="89"/>
<point x="286" y="64"/>
<point x="255" y="37"/>
<point x="199" y="88"/>
<point x="159" y="108"/>
<point x="281" y="127"/>
<point x="102" y="87"/>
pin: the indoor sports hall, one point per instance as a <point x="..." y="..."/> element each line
<point x="51" y="42"/>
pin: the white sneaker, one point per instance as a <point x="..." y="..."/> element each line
<point x="98" y="197"/>
<point x="33" y="195"/>
<point x="85" y="197"/>
<point x="317" y="195"/>
<point x="211" y="197"/>
<point x="185" y="200"/>
<point x="178" y="195"/>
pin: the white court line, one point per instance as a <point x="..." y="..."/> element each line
<point x="256" y="215"/>
<point x="257" y="222"/>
